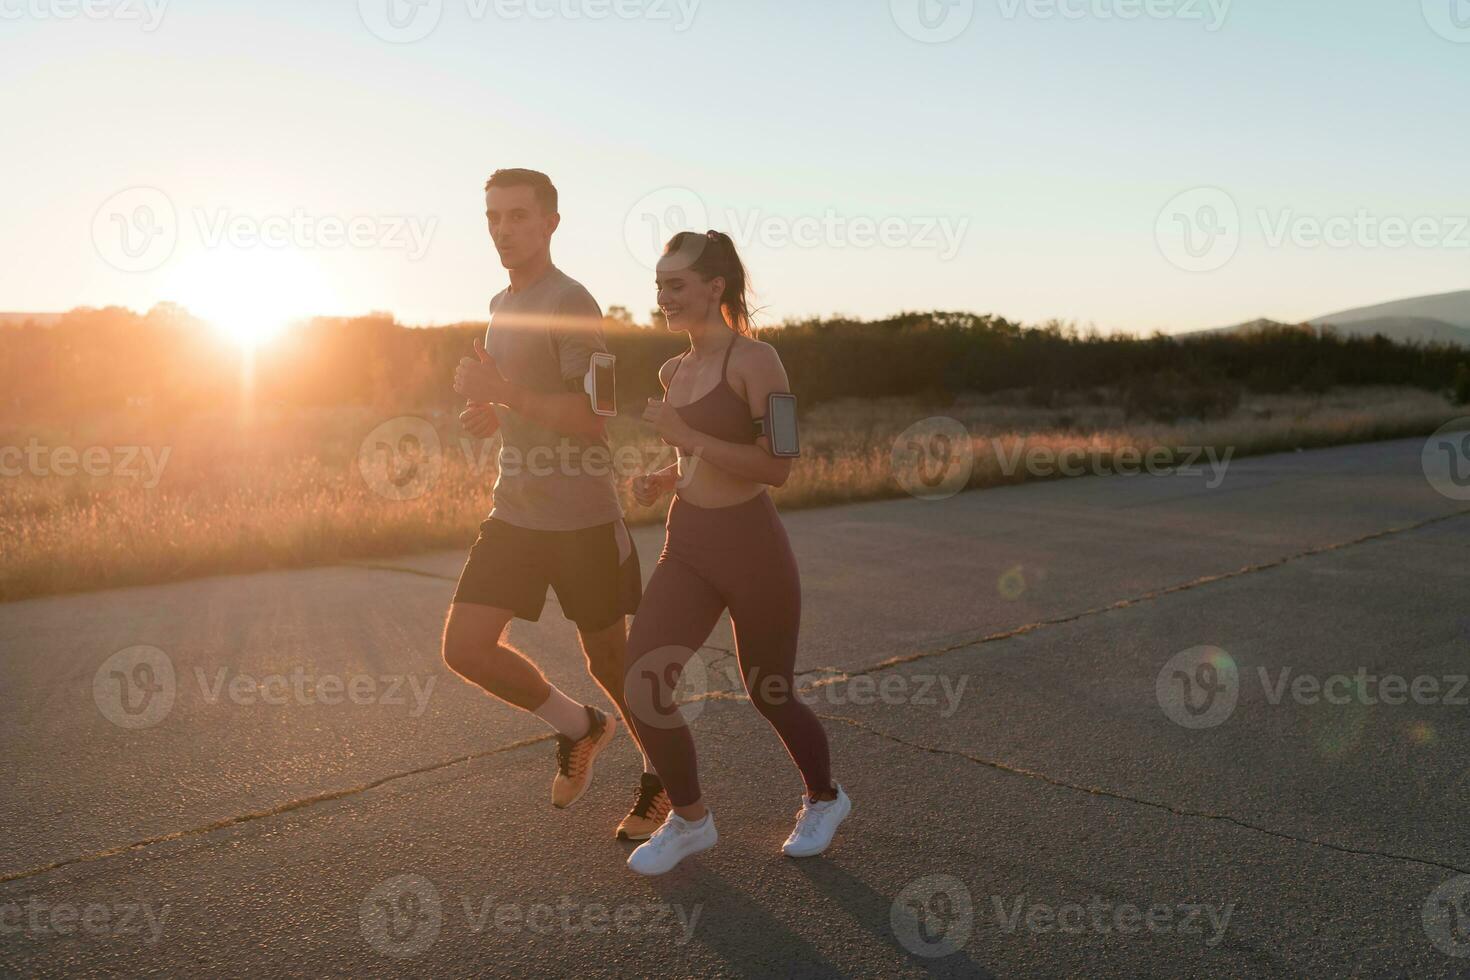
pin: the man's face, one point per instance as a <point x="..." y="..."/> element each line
<point x="519" y="227"/>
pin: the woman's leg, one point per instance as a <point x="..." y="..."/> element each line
<point x="765" y="608"/>
<point x="678" y="611"/>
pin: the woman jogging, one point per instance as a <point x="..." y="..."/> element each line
<point x="725" y="548"/>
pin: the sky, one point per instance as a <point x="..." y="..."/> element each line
<point x="1135" y="165"/>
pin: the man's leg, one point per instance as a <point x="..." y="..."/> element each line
<point x="474" y="648"/>
<point x="604" y="650"/>
<point x="505" y="576"/>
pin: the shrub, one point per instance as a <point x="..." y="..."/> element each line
<point x="1168" y="396"/>
<point x="1462" y="384"/>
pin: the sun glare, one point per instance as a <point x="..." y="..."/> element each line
<point x="251" y="296"/>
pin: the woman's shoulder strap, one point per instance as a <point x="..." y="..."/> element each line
<point x="725" y="368"/>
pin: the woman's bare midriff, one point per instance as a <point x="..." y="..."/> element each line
<point x="703" y="484"/>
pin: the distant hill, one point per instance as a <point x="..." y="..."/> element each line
<point x="1449" y="308"/>
<point x="1443" y="319"/>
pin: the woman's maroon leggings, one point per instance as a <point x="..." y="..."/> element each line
<point x="716" y="558"/>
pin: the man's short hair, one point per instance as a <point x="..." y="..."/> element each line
<point x="534" y="179"/>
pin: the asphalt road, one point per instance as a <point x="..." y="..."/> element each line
<point x="1133" y="726"/>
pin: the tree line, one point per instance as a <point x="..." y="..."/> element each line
<point x="92" y="362"/>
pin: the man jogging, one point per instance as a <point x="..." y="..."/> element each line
<point x="556" y="520"/>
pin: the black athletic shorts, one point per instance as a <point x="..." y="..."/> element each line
<point x="510" y="567"/>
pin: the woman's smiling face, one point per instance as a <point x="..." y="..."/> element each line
<point x="684" y="297"/>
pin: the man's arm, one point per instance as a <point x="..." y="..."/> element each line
<point x="576" y="334"/>
<point x="569" y="413"/>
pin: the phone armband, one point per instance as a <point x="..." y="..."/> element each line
<point x="599" y="384"/>
<point x="779" y="425"/>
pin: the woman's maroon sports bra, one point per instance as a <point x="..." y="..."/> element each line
<point x="722" y="414"/>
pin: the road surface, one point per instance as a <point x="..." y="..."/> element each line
<point x="1134" y="726"/>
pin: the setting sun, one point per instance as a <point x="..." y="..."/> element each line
<point x="251" y="296"/>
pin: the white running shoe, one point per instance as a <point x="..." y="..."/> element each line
<point x="671" y="843"/>
<point x="816" y="822"/>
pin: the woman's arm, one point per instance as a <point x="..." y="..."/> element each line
<point x="764" y="374"/>
<point x="749" y="462"/>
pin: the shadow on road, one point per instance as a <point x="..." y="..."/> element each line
<point x="871" y="911"/>
<point x="734" y="925"/>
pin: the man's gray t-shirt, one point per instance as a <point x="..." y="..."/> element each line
<point x="543" y="338"/>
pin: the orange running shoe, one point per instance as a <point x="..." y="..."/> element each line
<point x="650" y="807"/>
<point x="574" y="758"/>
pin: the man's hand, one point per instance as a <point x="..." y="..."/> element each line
<point x="649" y="487"/>
<point x="667" y="424"/>
<point x="480" y="420"/>
<point x="478" y="378"/>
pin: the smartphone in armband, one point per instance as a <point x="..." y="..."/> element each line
<point x="601" y="384"/>
<point x="779" y="426"/>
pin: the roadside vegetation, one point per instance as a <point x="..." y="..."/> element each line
<point x="141" y="449"/>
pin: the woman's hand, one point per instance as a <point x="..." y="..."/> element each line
<point x="667" y="424"/>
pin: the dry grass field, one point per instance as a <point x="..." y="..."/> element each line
<point x="131" y="502"/>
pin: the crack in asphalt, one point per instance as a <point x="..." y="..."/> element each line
<point x="375" y="567"/>
<point x="324" y="797"/>
<point x="1140" y="801"/>
<point x="975" y="641"/>
<point x="837" y="677"/>
<point x="276" y="810"/>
